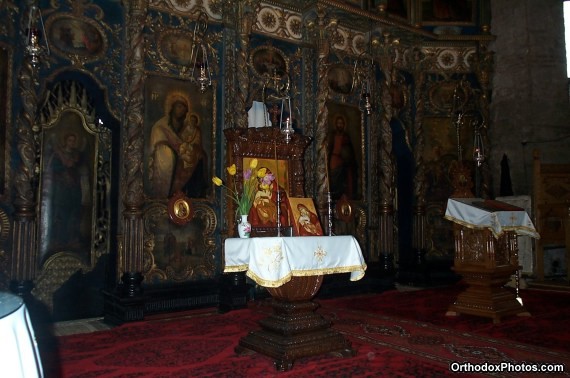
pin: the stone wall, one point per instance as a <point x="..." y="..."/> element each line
<point x="530" y="106"/>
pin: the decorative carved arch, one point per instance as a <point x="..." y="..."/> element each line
<point x="78" y="170"/>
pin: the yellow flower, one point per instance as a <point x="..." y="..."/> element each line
<point x="253" y="164"/>
<point x="264" y="186"/>
<point x="232" y="169"/>
<point x="261" y="173"/>
<point x="216" y="180"/>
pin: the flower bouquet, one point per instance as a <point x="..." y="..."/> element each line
<point x="252" y="180"/>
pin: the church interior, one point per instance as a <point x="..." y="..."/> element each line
<point x="117" y="115"/>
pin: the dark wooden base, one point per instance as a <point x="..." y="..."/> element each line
<point x="294" y="331"/>
<point x="119" y="309"/>
<point x="233" y="292"/>
<point x="486" y="295"/>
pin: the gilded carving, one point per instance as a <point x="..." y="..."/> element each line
<point x="133" y="140"/>
<point x="420" y="237"/>
<point x="268" y="20"/>
<point x="441" y="96"/>
<point x="180" y="209"/>
<point x="213" y="8"/>
<point x="76" y="38"/>
<point x="268" y="61"/>
<point x="174" y="47"/>
<point x="294" y="26"/>
<point x="5" y="230"/>
<point x="308" y="112"/>
<point x="278" y="22"/>
<point x="229" y="78"/>
<point x="4" y="226"/>
<point x="170" y="46"/>
<point x="25" y="178"/>
<point x="55" y="272"/>
<point x="8" y="10"/>
<point x="445" y="59"/>
<point x="179" y="252"/>
<point x="6" y="61"/>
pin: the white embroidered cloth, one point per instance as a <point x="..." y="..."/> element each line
<point x="496" y="216"/>
<point x="272" y="261"/>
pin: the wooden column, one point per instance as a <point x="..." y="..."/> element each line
<point x="26" y="176"/>
<point x="126" y="302"/>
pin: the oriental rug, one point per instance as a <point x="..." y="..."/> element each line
<point x="546" y="327"/>
<point x="387" y="345"/>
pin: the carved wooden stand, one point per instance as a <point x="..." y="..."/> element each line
<point x="294" y="330"/>
<point x="486" y="265"/>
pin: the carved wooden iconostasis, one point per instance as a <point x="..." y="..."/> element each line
<point x="449" y="145"/>
<point x="136" y="64"/>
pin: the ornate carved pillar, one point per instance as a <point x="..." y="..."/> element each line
<point x="322" y="32"/>
<point x="133" y="150"/>
<point x="373" y="124"/>
<point x="233" y="288"/>
<point x="229" y="38"/>
<point x="374" y="195"/>
<point x="24" y="254"/>
<point x="245" y="19"/>
<point x="419" y="221"/>
<point x="384" y="50"/>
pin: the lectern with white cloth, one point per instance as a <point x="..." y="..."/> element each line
<point x="19" y="356"/>
<point x="486" y="255"/>
<point x="292" y="269"/>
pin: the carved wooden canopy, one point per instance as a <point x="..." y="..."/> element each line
<point x="269" y="143"/>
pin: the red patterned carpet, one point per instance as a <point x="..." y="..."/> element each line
<point x="395" y="334"/>
<point x="546" y="327"/>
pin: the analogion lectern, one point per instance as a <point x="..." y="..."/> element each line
<point x="486" y="255"/>
<point x="292" y="269"/>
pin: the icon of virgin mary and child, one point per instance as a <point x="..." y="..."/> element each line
<point x="177" y="161"/>
<point x="263" y="213"/>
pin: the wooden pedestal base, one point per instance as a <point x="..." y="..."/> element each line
<point x="486" y="264"/>
<point x="294" y="330"/>
<point x="486" y="295"/>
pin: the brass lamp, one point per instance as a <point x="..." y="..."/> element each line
<point x="287" y="126"/>
<point x="280" y="88"/>
<point x="361" y="76"/>
<point x="478" y="147"/>
<point x="365" y="103"/>
<point x="200" y="71"/>
<point x="34" y="33"/>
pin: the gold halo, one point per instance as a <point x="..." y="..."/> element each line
<point x="190" y="115"/>
<point x="173" y="97"/>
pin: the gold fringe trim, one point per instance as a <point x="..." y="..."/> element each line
<point x="235" y="268"/>
<point x="298" y="273"/>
